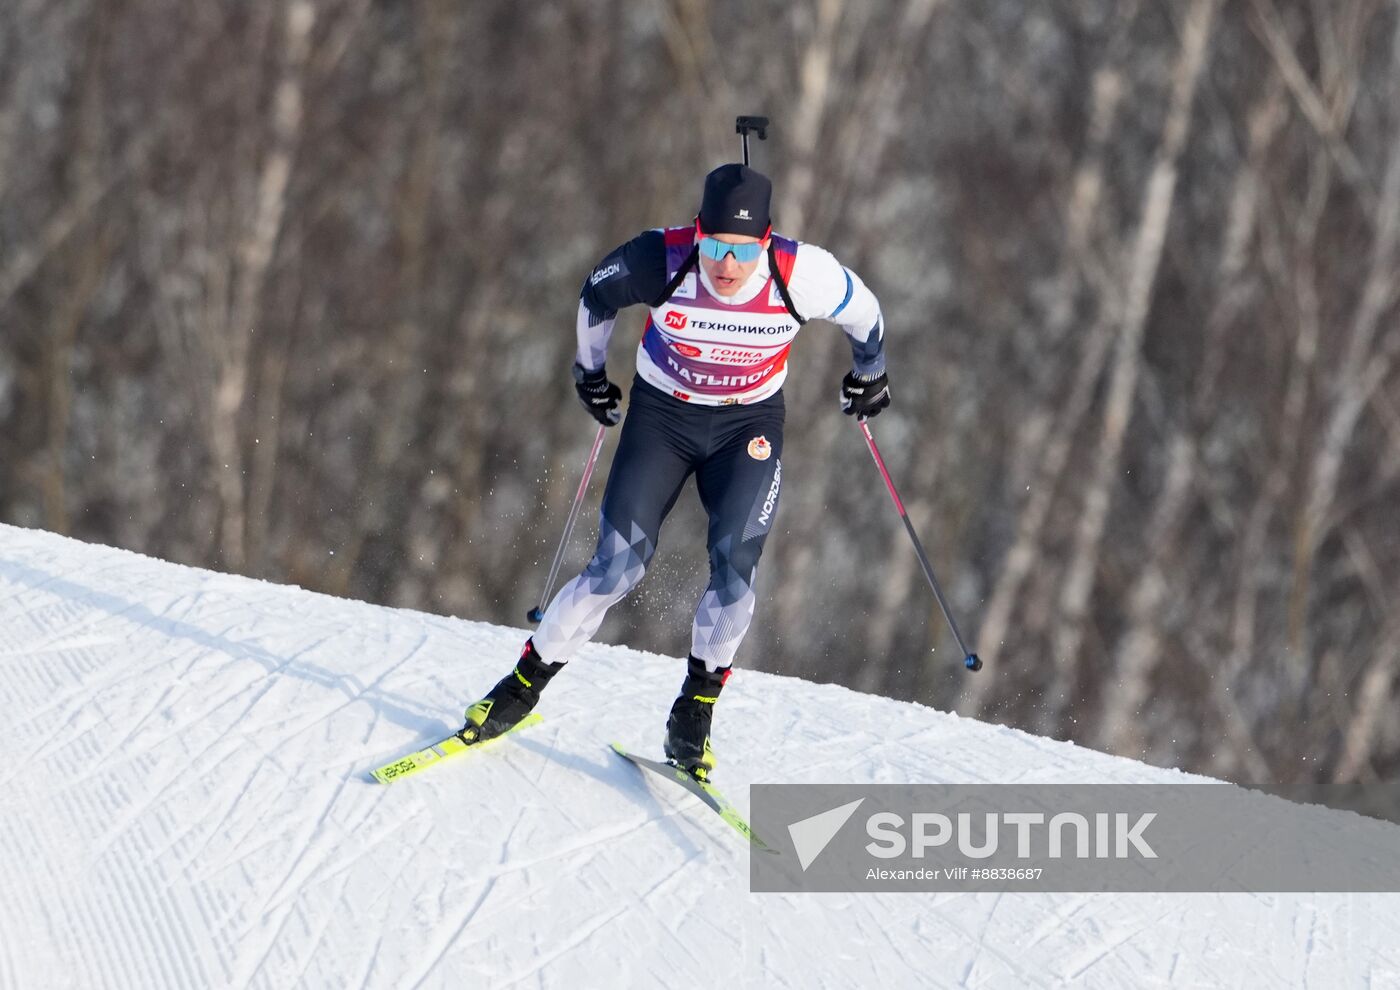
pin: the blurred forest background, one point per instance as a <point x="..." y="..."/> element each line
<point x="287" y="288"/>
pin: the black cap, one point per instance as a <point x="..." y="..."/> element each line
<point x="736" y="201"/>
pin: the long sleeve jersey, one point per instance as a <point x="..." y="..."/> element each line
<point x="718" y="350"/>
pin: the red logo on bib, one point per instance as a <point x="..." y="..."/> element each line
<point x="686" y="349"/>
<point x="676" y="320"/>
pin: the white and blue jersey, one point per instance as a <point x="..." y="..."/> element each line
<point x="702" y="347"/>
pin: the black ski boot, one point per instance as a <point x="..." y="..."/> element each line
<point x="688" y="728"/>
<point x="511" y="699"/>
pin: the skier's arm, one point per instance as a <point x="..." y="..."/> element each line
<point x="633" y="273"/>
<point x="824" y="289"/>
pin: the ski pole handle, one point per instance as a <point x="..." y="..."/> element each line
<point x="536" y="614"/>
<point x="970" y="660"/>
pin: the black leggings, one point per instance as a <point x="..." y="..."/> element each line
<point x="734" y="453"/>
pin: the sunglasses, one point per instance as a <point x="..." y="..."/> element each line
<point x="715" y="249"/>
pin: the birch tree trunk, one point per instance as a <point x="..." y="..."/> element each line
<point x="1140" y="278"/>
<point x="1120" y="727"/>
<point x="255" y="254"/>
<point x="1051" y="434"/>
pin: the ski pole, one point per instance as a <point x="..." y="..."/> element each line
<point x="970" y="660"/>
<point x="758" y="125"/>
<point x="536" y="614"/>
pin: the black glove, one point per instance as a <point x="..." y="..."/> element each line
<point x="598" y="395"/>
<point x="864" y="395"/>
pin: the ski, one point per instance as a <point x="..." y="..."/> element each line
<point x="443" y="749"/>
<point x="704" y="790"/>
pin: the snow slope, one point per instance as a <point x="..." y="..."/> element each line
<point x="185" y="804"/>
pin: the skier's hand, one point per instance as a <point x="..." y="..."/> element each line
<point x="864" y="395"/>
<point x="598" y="395"/>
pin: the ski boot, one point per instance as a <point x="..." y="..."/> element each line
<point x="511" y="699"/>
<point x="688" y="729"/>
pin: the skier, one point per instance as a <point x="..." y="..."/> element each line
<point x="727" y="296"/>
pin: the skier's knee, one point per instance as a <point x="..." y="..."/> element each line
<point x="613" y="576"/>
<point x="741" y="560"/>
<point x="618" y="564"/>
